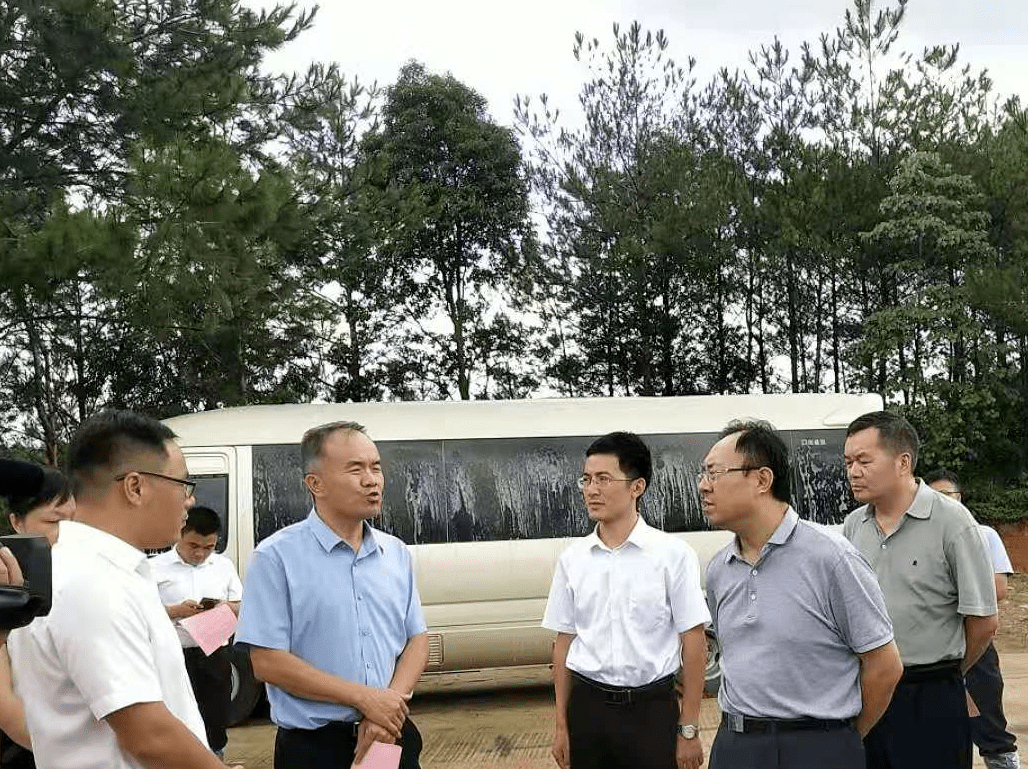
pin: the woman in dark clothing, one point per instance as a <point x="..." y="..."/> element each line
<point x="39" y="513"/>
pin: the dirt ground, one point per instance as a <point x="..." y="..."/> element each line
<point x="504" y="720"/>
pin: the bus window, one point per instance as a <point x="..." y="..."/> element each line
<point x="212" y="491"/>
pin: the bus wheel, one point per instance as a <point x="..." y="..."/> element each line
<point x="246" y="690"/>
<point x="712" y="676"/>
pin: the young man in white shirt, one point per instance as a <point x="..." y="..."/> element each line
<point x="102" y="676"/>
<point x="629" y="614"/>
<point x="192" y="578"/>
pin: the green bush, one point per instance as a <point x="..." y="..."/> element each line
<point x="999" y="505"/>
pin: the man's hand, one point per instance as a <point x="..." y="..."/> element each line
<point x="689" y="753"/>
<point x="185" y="609"/>
<point x="367" y="733"/>
<point x="10" y="574"/>
<point x="10" y="570"/>
<point x="385" y="707"/>
<point x="561" y="749"/>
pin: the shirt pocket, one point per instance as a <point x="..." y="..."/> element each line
<point x="648" y="604"/>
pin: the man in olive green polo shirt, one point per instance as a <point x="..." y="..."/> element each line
<point x="936" y="575"/>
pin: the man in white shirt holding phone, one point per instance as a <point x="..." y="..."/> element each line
<point x="192" y="578"/>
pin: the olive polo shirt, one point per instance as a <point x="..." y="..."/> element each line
<point x="934" y="570"/>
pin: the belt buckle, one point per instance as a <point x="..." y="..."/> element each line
<point x="620" y="697"/>
<point x="736" y="723"/>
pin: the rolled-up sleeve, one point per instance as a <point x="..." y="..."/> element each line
<point x="265" y="618"/>
<point x="688" y="607"/>
<point x="560" y="605"/>
<point x="106" y="649"/>
<point x="971" y="565"/>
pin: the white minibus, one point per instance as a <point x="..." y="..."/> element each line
<point x="485" y="494"/>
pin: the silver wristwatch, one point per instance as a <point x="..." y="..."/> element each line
<point x="689" y="731"/>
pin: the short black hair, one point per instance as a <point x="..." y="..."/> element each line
<point x="55" y="488"/>
<point x="314" y="439"/>
<point x="942" y="474"/>
<point x="106" y="442"/>
<point x="894" y="432"/>
<point x="762" y="446"/>
<point x="633" y="454"/>
<point x="203" y="520"/>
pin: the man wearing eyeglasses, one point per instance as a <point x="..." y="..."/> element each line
<point x="808" y="661"/>
<point x="102" y="676"/>
<point x="629" y="613"/>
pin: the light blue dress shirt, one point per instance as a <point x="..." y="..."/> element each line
<point x="345" y="613"/>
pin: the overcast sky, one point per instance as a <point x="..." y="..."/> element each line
<point x="502" y="49"/>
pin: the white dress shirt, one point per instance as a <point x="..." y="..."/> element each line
<point x="626" y="606"/>
<point x="179" y="581"/>
<point x="106" y="644"/>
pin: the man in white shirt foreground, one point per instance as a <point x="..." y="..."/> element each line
<point x="629" y="613"/>
<point x="102" y="676"/>
<point x="192" y="578"/>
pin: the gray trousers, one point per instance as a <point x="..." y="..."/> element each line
<point x="804" y="749"/>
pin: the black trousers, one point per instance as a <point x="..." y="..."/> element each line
<point x="839" y="748"/>
<point x="332" y="747"/>
<point x="926" y="724"/>
<point x="638" y="734"/>
<point x="211" y="678"/>
<point x="13" y="755"/>
<point x="989" y="730"/>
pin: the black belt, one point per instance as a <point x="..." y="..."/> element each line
<point x="626" y="695"/>
<point x="344" y="729"/>
<point x="934" y="671"/>
<point x="747" y="725"/>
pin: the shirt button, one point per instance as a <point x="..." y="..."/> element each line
<point x="753" y="596"/>
<point x="883" y="546"/>
<point x="754" y="572"/>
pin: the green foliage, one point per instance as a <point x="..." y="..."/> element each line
<point x="1000" y="505"/>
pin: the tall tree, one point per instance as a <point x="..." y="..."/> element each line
<point x="467" y="230"/>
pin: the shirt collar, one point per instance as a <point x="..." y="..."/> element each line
<point x="921" y="507"/>
<point x="640" y="535"/>
<point x="328" y="539"/>
<point x="778" y="537"/>
<point x="179" y="559"/>
<point x="77" y="535"/>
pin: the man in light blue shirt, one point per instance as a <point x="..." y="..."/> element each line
<point x="333" y="617"/>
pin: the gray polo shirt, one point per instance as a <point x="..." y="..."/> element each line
<point x="933" y="569"/>
<point x="792" y="624"/>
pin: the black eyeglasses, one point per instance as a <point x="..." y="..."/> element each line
<point x="713" y="475"/>
<point x="190" y="485"/>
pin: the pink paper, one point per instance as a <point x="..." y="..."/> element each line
<point x="212" y="628"/>
<point x="380" y="756"/>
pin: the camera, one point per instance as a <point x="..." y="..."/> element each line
<point x="20" y="605"/>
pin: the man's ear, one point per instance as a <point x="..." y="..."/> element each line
<point x="131" y="486"/>
<point x="313" y="484"/>
<point x="765" y="479"/>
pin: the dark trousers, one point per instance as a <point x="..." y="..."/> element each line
<point x="13" y="755"/>
<point x="610" y="732"/>
<point x="211" y="678"/>
<point x="989" y="730"/>
<point x="332" y="747"/>
<point x="838" y="748"/>
<point x="926" y="724"/>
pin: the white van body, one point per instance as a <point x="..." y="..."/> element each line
<point x="485" y="494"/>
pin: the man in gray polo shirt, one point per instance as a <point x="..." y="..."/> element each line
<point x="937" y="578"/>
<point x="808" y="661"/>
